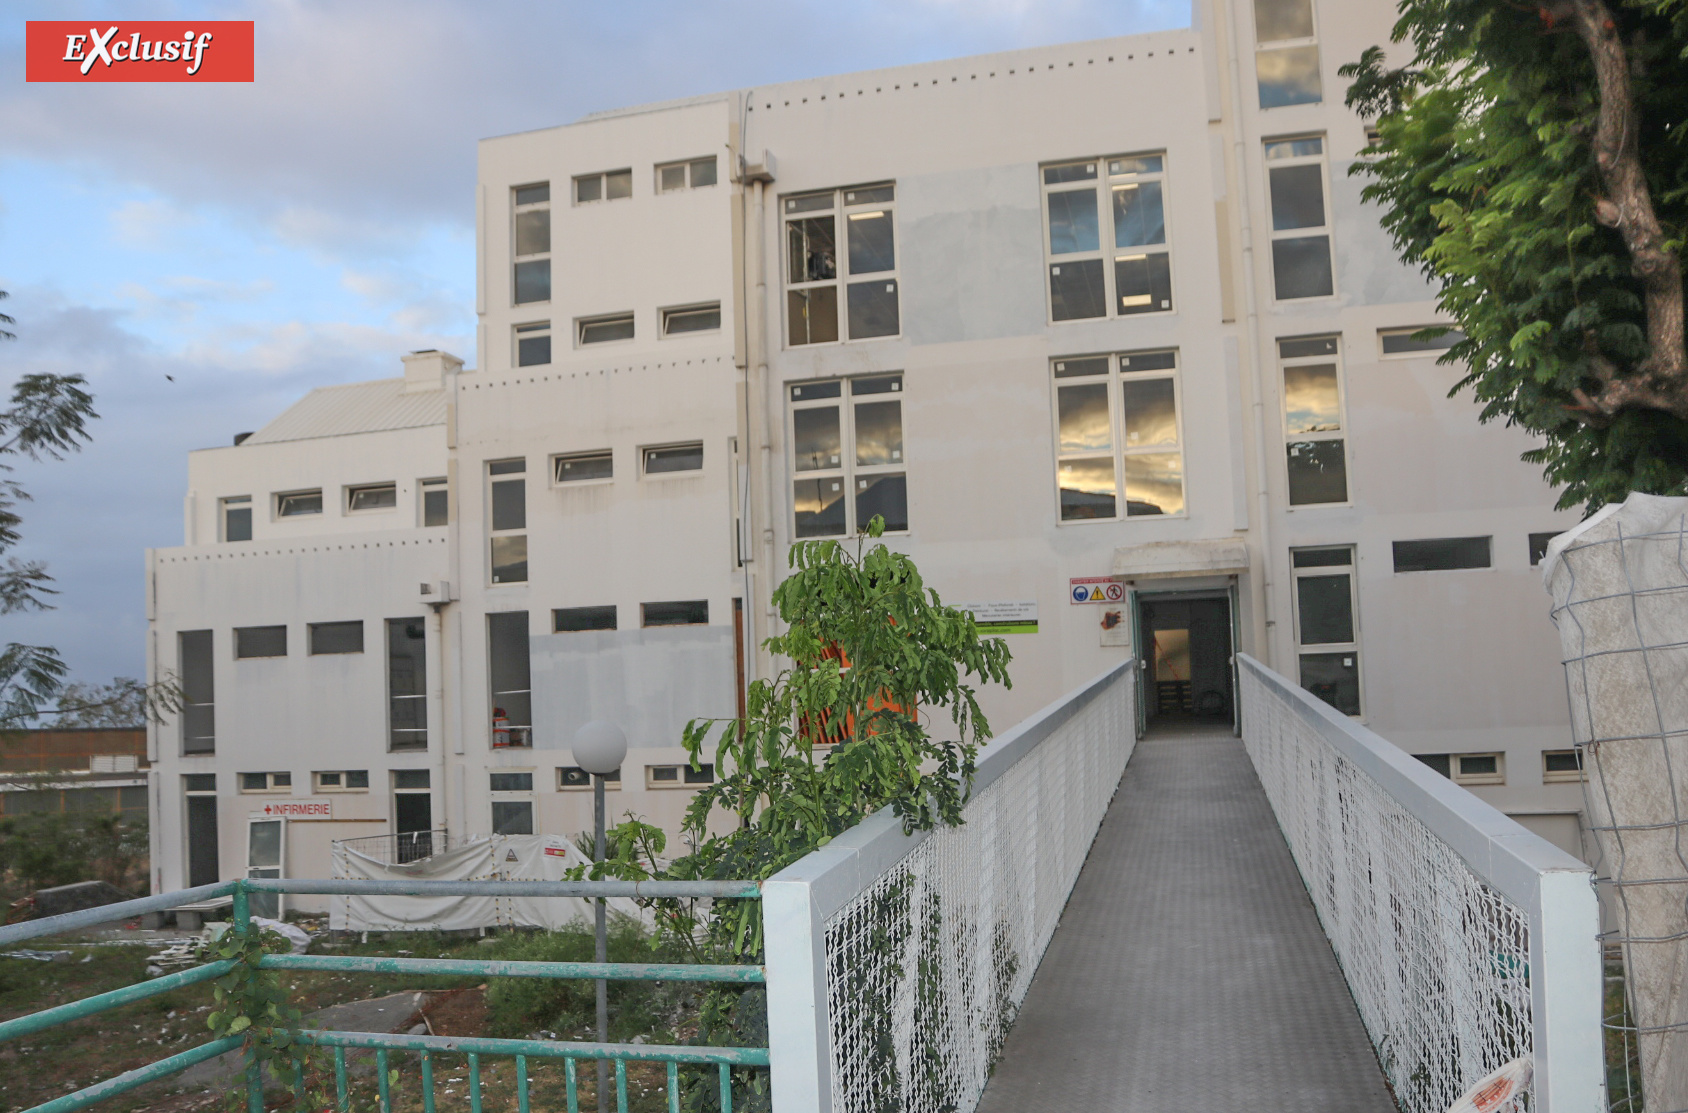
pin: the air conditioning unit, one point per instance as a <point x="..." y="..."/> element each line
<point x="436" y="593"/>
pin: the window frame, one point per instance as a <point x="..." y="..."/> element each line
<point x="226" y="505"/>
<point x="667" y="313"/>
<point x="684" y="776"/>
<point x="236" y="647"/>
<point x="1563" y="776"/>
<point x="278" y="500"/>
<point x="437" y="485"/>
<point x="582" y="324"/>
<point x="687" y="164"/>
<point x="352" y="490"/>
<point x="1323" y="649"/>
<point x="847" y="471"/>
<point x="1268" y="46"/>
<point x="612" y="781"/>
<point x="559" y="458"/>
<point x="1458" y="775"/>
<point x="841" y="211"/>
<point x="393" y="698"/>
<point x="1115" y="378"/>
<point x="516" y="261"/>
<point x="319" y="788"/>
<point x="532" y="330"/>
<point x="646" y="624"/>
<point x="276" y="783"/>
<point x="1452" y="336"/>
<point x="1327" y="229"/>
<point x="603" y="177"/>
<point x="491" y="478"/>
<point x="1339" y="434"/>
<point x="1106" y="251"/>
<point x="679" y="473"/>
<point x="597" y="609"/>
<point x="310" y="638"/>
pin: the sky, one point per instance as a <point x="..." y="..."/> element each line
<point x="205" y="254"/>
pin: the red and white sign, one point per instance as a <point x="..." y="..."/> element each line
<point x="142" y="50"/>
<point x="300" y="809"/>
<point x="1095" y="589"/>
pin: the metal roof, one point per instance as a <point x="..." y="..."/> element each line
<point x="339" y="411"/>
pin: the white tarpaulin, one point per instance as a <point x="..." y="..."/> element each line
<point x="487" y="858"/>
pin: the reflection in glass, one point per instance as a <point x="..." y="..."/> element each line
<point x="1310" y="402"/>
<point x="618" y="184"/>
<point x="1139" y="216"/>
<point x="1324" y="605"/>
<point x="1334" y="678"/>
<point x="1318" y="472"/>
<point x="1276" y="20"/>
<point x="1154" y="484"/>
<point x="1301" y="268"/>
<point x="1084" y="421"/>
<point x="533" y="232"/>
<point x="873" y="309"/>
<point x="819" y="505"/>
<point x="1288" y="76"/>
<point x="533" y="281"/>
<point x="871" y="243"/>
<point x="1087" y="488"/>
<point x="509" y="504"/>
<point x="509" y="559"/>
<point x="1072" y="222"/>
<point x="879" y="433"/>
<point x="815" y="441"/>
<point x="1305" y="147"/>
<point x="1072" y="172"/>
<point x="811" y="249"/>
<point x="812" y="315"/>
<point x="1298" y="197"/>
<point x="1076" y="290"/>
<point x="1143" y="283"/>
<point x="885" y="495"/>
<point x="1151" y="416"/>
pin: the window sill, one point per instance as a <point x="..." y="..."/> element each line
<point x="790" y="347"/>
<point x="665" y="476"/>
<point x="1180" y="517"/>
<point x="573" y="484"/>
<point x="1320" y="506"/>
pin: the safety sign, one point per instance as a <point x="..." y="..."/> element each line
<point x="1095" y="589"/>
<point x="318" y="809"/>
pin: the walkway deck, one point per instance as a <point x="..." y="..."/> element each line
<point x="1189" y="971"/>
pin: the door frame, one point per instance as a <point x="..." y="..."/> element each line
<point x="1227" y="594"/>
<point x="279" y="870"/>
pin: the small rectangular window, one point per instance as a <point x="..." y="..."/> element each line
<point x="662" y="776"/>
<point x="704" y="774"/>
<point x="343" y="780"/>
<point x="512" y="817"/>
<point x="293" y="504"/>
<point x="1278" y="20"/>
<point x="436" y="503"/>
<point x="1561" y="766"/>
<point x="199" y="782"/>
<point x="260" y="641"/>
<point x="237" y="518"/>
<point x="1411" y="342"/>
<point x="691" y="318"/>
<point x="533" y="344"/>
<point x="578" y="467"/>
<point x="603" y="330"/>
<point x="507" y="490"/>
<point x="1442" y="554"/>
<point x="691" y="174"/>
<point x="1479" y="769"/>
<point x="1315" y="448"/>
<point x="511" y="782"/>
<point x="533" y="194"/>
<point x="531" y="237"/>
<point x="673" y="458"/>
<point x="266" y="782"/>
<point x="1538" y="546"/>
<point x="374" y="496"/>
<point x="1322" y="558"/>
<point x="573" y="776"/>
<point x="569" y="620"/>
<point x="1288" y="75"/>
<point x="335" y="637"/>
<point x="1327" y="632"/>
<point x="611" y="186"/>
<point x="410" y="779"/>
<point x="533" y="281"/>
<point x="690" y="612"/>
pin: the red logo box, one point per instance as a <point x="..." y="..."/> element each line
<point x="151" y="50"/>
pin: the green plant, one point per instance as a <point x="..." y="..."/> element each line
<point x="39" y="851"/>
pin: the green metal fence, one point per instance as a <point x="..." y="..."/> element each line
<point x="385" y="1046"/>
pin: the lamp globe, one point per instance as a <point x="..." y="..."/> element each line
<point x="599" y="747"/>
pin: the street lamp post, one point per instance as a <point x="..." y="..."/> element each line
<point x="599" y="748"/>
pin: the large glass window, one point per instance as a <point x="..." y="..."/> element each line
<point x="507" y="520"/>
<point x="509" y="686"/>
<point x="1107" y="241"/>
<point x="841" y="265"/>
<point x="1116" y="426"/>
<point x="531" y="235"/>
<point x="847" y="455"/>
<point x="1325" y="625"/>
<point x="407" y="687"/>
<point x="199" y="720"/>
<point x="1286" y="59"/>
<point x="1301" y="259"/>
<point x="1314" y="445"/>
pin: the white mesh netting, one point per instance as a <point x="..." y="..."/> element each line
<point x="926" y="966"/>
<point x="1437" y="961"/>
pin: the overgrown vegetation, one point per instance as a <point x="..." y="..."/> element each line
<point x="47" y="849"/>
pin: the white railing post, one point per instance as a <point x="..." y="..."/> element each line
<point x="794" y="934"/>
<point x="1566" y="1000"/>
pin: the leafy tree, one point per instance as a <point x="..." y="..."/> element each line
<point x="125" y="703"/>
<point x="1531" y="162"/>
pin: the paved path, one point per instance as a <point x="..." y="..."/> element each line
<point x="1189" y="972"/>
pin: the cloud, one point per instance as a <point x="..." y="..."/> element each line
<point x="147" y="223"/>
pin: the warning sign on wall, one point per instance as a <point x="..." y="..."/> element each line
<point x="1095" y="589"/>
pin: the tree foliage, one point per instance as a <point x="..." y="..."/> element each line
<point x="1531" y="162"/>
<point x="124" y="704"/>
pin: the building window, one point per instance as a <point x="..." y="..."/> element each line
<point x="1286" y="59"/>
<point x="1106" y="226"/>
<point x="372" y="496"/>
<point x="410" y="780"/>
<point x="663" y="459"/>
<point x="1442" y="554"/>
<point x="342" y="780"/>
<point x="583" y="467"/>
<point x="334" y="637"/>
<point x="509" y="687"/>
<point x="862" y="278"/>
<point x="678" y="776"/>
<point x="511" y="782"/>
<point x="1478" y="769"/>
<point x="237" y="518"/>
<point x="407" y="688"/>
<point x="512" y="817"/>
<point x="573" y="777"/>
<point x="507" y="520"/>
<point x="1301" y="261"/>
<point x="1325" y="627"/>
<point x="533" y="344"/>
<point x="1116" y="422"/>
<point x="847" y="455"/>
<point x="260" y="641"/>
<point x="1314" y="446"/>
<point x="570" y="620"/>
<point x="1561" y="766"/>
<point x="1405" y="342"/>
<point x="436" y="502"/>
<point x="531" y="207"/>
<point x="691" y="174"/>
<point x="199" y="718"/>
<point x="199" y="782"/>
<point x="603" y="330"/>
<point x="691" y="318"/>
<point x="294" y="504"/>
<point x="613" y="185"/>
<point x="1538" y="545"/>
<point x="266" y="782"/>
<point x="687" y="612"/>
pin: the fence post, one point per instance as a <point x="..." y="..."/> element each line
<point x="1567" y="981"/>
<point x="800" y="1070"/>
<point x="240" y="922"/>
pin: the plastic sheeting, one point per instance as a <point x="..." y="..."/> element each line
<point x="487" y="858"/>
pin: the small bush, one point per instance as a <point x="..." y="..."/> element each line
<point x="47" y="849"/>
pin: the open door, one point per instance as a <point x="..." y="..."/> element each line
<point x="266" y="848"/>
<point x="1142" y="679"/>
<point x="1236" y="678"/>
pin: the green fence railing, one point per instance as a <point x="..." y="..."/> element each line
<point x="384" y="1045"/>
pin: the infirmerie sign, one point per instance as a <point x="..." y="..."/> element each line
<point x="151" y="50"/>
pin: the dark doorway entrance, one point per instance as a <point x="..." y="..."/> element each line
<point x="413" y="816"/>
<point x="202" y="841"/>
<point x="1186" y="652"/>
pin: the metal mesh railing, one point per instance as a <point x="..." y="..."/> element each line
<point x="1437" y="960"/>
<point x="407" y="846"/>
<point x="927" y="964"/>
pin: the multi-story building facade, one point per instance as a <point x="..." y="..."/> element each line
<point x="1105" y="321"/>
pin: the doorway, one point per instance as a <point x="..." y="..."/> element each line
<point x="266" y="849"/>
<point x="1185" y="646"/>
<point x="413" y="821"/>
<point x="202" y="840"/>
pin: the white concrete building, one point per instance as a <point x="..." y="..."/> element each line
<point x="1107" y="317"/>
